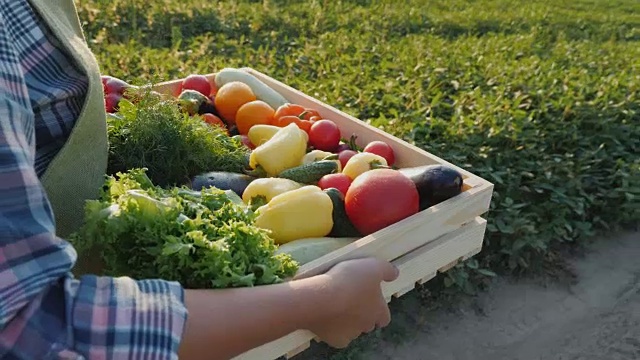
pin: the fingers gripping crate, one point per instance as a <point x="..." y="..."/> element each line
<point x="431" y="241"/>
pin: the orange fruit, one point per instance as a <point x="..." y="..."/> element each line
<point x="252" y="113"/>
<point x="230" y="97"/>
<point x="288" y="119"/>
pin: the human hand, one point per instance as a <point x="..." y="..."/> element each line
<point x="359" y="304"/>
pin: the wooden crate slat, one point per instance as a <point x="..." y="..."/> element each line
<point x="279" y="347"/>
<point x="427" y="260"/>
<point x="298" y="350"/>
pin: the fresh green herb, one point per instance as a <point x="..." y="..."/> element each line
<point x="203" y="239"/>
<point x="156" y="134"/>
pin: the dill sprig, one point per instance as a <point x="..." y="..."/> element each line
<point x="155" y="133"/>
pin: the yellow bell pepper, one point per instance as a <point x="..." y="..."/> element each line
<point x="260" y="191"/>
<point x="283" y="151"/>
<point x="297" y="214"/>
<point x="260" y="133"/>
<point x="317" y="155"/>
<point x="362" y="162"/>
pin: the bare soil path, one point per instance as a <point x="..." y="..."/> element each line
<point x="594" y="317"/>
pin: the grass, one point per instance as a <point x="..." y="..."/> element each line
<point x="540" y="97"/>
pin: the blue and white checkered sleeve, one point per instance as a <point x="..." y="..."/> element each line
<point x="45" y="312"/>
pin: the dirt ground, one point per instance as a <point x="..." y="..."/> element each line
<point x="596" y="316"/>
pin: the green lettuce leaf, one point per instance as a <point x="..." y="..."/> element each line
<point x="203" y="239"/>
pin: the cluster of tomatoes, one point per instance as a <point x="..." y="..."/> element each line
<point x="345" y="152"/>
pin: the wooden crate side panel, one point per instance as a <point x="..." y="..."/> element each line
<point x="414" y="267"/>
<point x="424" y="263"/>
<point x="281" y="347"/>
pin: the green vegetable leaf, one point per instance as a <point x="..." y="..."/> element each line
<point x="202" y="239"/>
<point x="156" y="134"/>
<point x="172" y="248"/>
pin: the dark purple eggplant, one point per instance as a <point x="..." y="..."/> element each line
<point x="435" y="183"/>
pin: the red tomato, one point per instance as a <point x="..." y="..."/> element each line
<point x="111" y="101"/>
<point x="345" y="155"/>
<point x="324" y="135"/>
<point x="214" y="120"/>
<point x="339" y="181"/>
<point x="196" y="82"/>
<point x="379" y="198"/>
<point x="115" y="85"/>
<point x="381" y="148"/>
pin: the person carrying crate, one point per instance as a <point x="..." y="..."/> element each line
<point x="53" y="155"/>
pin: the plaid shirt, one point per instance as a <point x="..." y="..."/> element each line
<point x="46" y="313"/>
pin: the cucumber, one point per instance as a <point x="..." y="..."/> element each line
<point x="342" y="226"/>
<point x="308" y="249"/>
<point x="260" y="89"/>
<point x="310" y="173"/>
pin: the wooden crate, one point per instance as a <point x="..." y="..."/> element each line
<point x="431" y="241"/>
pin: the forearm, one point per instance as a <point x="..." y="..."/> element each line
<point x="225" y="323"/>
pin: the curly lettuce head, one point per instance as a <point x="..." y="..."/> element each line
<point x="203" y="239"/>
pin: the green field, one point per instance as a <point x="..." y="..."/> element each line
<point x="540" y="97"/>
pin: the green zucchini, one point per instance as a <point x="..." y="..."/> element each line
<point x="260" y="89"/>
<point x="310" y="173"/>
<point x="342" y="226"/>
<point x="309" y="249"/>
